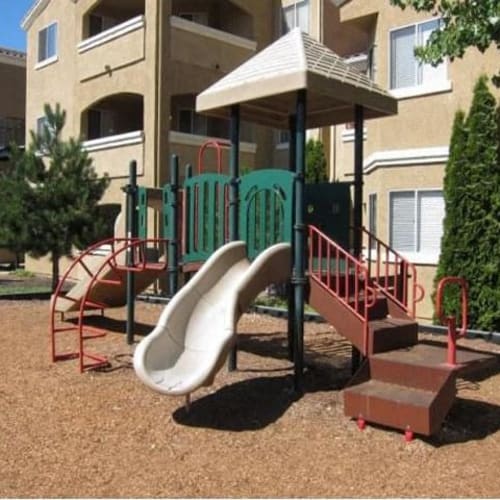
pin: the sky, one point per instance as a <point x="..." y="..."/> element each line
<point x="12" y="36"/>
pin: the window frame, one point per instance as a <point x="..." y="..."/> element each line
<point x="424" y="88"/>
<point x="294" y="5"/>
<point x="193" y="116"/>
<point x="416" y="256"/>
<point x="47" y="59"/>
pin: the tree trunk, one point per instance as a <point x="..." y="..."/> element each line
<point x="55" y="271"/>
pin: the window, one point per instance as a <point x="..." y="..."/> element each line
<point x="11" y="130"/>
<point x="416" y="222"/>
<point x="191" y="123"/>
<point x="405" y="71"/>
<point x="98" y="24"/>
<point x="101" y="123"/>
<point x="47" y="43"/>
<point x="195" y="17"/>
<point x="372" y="214"/>
<point x="296" y="15"/>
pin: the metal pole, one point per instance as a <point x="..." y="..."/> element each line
<point x="358" y="202"/>
<point x="299" y="279"/>
<point x="173" y="243"/>
<point x="131" y="232"/>
<point x="291" y="299"/>
<point x="233" y="200"/>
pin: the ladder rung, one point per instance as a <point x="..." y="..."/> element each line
<point x="109" y="282"/>
<point x="95" y="305"/>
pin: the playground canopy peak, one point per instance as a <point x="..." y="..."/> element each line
<point x="265" y="86"/>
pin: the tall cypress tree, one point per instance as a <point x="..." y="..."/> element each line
<point x="449" y="259"/>
<point x="53" y="193"/>
<point x="475" y="206"/>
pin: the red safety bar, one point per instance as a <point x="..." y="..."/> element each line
<point x="348" y="281"/>
<point x="218" y="146"/>
<point x="451" y="321"/>
<point x="136" y="252"/>
<point x="386" y="265"/>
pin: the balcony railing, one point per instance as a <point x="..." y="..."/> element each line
<point x="113" y="154"/>
<point x="115" y="48"/>
<point x="112" y="33"/>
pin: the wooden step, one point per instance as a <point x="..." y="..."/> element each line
<point x="399" y="406"/>
<point x="392" y="333"/>
<point x="402" y="388"/>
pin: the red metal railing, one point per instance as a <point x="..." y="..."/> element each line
<point x="136" y="253"/>
<point x="392" y="274"/>
<point x="218" y="146"/>
<point x="343" y="276"/>
<point x="451" y="321"/>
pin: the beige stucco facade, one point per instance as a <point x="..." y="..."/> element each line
<point x="137" y="74"/>
<point x="167" y="51"/>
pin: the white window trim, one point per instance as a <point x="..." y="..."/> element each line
<point x="293" y="3"/>
<point x="416" y="90"/>
<point x="114" y="141"/>
<point x="55" y="57"/>
<point x="197" y="140"/>
<point x="406" y="157"/>
<point x="349" y="133"/>
<point x="46" y="62"/>
<point x="113" y="33"/>
<point x="206" y="31"/>
<point x="426" y="258"/>
<point x="422" y="90"/>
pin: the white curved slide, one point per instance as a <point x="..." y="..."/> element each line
<point x="197" y="329"/>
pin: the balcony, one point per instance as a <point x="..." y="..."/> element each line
<point x="113" y="129"/>
<point x="116" y="47"/>
<point x="194" y="45"/>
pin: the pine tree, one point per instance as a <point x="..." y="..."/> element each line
<point x="472" y="198"/>
<point x="315" y="162"/>
<point x="53" y="193"/>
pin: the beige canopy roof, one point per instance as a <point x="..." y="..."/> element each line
<point x="265" y="86"/>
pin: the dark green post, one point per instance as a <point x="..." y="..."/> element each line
<point x="291" y="299"/>
<point x="358" y="202"/>
<point x="234" y="165"/>
<point x="131" y="232"/>
<point x="299" y="279"/>
<point x="173" y="244"/>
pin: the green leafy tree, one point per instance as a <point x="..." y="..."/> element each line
<point x="315" y="162"/>
<point x="472" y="195"/>
<point x="466" y="23"/>
<point x="52" y="193"/>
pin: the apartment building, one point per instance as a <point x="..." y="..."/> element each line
<point x="12" y="98"/>
<point x="127" y="73"/>
<point x="404" y="155"/>
<point x="12" y="112"/>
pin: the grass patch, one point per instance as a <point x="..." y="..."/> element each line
<point x="278" y="302"/>
<point x="22" y="289"/>
<point x="22" y="273"/>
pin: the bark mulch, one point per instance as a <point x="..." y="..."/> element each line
<point x="104" y="434"/>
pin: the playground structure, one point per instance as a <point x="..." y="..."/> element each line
<point x="369" y="297"/>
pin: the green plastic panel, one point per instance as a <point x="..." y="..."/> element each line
<point x="142" y="212"/>
<point x="266" y="209"/>
<point x="207" y="199"/>
<point x="328" y="207"/>
<point x="167" y="212"/>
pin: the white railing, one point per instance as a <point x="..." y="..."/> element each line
<point x="114" y="141"/>
<point x="111" y="34"/>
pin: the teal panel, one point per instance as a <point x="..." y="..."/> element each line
<point x="328" y="207"/>
<point x="206" y="220"/>
<point x="266" y="209"/>
<point x="167" y="212"/>
<point x="142" y="212"/>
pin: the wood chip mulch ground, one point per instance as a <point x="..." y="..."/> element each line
<point x="104" y="434"/>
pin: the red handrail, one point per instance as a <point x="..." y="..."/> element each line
<point x="137" y="246"/>
<point x="217" y="145"/>
<point x="388" y="263"/>
<point x="348" y="281"/>
<point x="451" y="320"/>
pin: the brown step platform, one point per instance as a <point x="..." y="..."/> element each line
<point x="392" y="333"/>
<point x="399" y="406"/>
